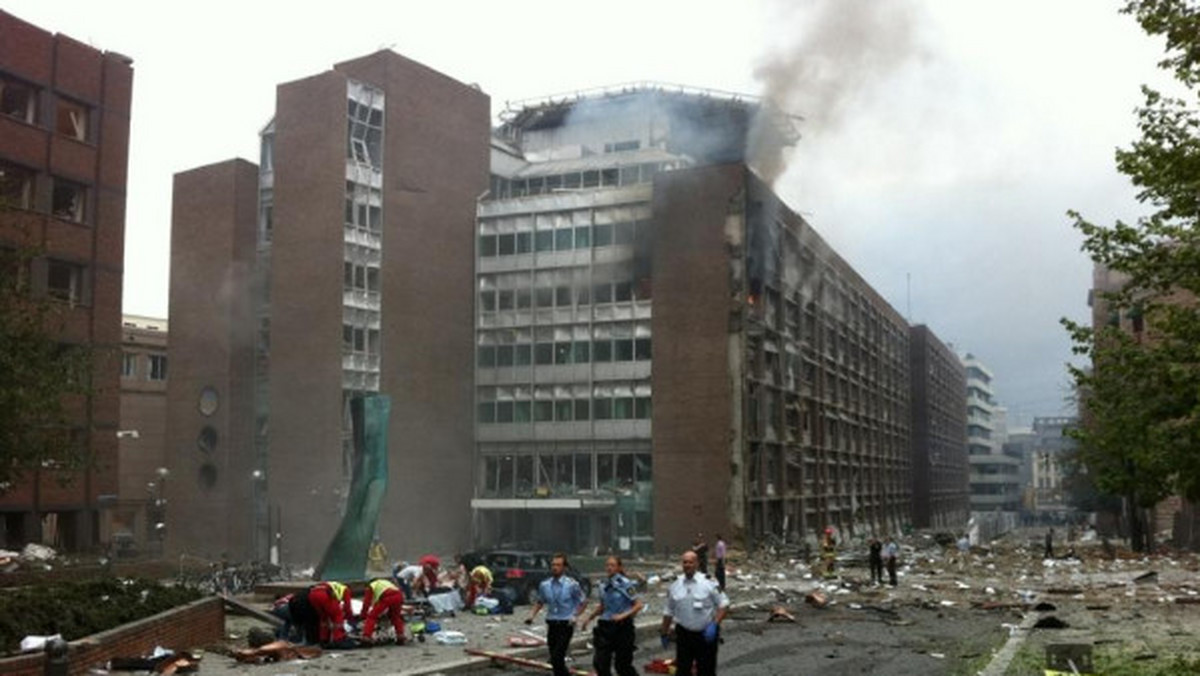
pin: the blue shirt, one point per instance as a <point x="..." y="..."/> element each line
<point x="617" y="595"/>
<point x="562" y="597"/>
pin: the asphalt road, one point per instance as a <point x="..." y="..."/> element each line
<point x="840" y="641"/>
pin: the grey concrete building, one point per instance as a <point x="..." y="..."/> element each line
<point x="663" y="347"/>
<point x="940" y="468"/>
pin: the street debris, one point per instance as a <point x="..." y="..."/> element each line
<point x="277" y="651"/>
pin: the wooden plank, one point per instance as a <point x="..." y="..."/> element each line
<point x="519" y="661"/>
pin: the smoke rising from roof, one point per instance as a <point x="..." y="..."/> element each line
<point x="845" y="49"/>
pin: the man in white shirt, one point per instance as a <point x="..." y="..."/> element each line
<point x="696" y="606"/>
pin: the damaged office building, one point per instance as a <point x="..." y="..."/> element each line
<point x="663" y="347"/>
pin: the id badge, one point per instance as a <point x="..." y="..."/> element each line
<point x="698" y="605"/>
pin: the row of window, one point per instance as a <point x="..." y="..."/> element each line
<point x="563" y="296"/>
<point x="563" y="473"/>
<point x="20" y="100"/>
<point x="18" y="190"/>
<point x="611" y="177"/>
<point x="565" y="352"/>
<point x="565" y="410"/>
<point x="563" y="239"/>
<point x="156" y="366"/>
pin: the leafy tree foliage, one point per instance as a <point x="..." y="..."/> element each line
<point x="38" y="378"/>
<point x="1141" y="394"/>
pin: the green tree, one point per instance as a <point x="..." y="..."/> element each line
<point x="1141" y="394"/>
<point x="38" y="377"/>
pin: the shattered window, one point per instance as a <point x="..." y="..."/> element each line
<point x="583" y="472"/>
<point x="487" y="246"/>
<point x="564" y="410"/>
<point x="69" y="200"/>
<point x="65" y="281"/>
<point x="16" y="186"/>
<point x="18" y="100"/>
<point x="583" y="409"/>
<point x="72" y="119"/>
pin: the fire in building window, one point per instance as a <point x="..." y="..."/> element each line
<point x="18" y="100"/>
<point x="69" y="200"/>
<point x="72" y="119"/>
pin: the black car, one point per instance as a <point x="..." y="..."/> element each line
<point x="520" y="572"/>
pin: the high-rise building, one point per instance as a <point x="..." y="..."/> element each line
<point x="1048" y="462"/>
<point x="663" y="346"/>
<point x="341" y="264"/>
<point x="940" y="469"/>
<point x="142" y="437"/>
<point x="64" y="144"/>
<point x="995" y="475"/>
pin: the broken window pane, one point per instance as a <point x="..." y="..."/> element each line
<point x="602" y="293"/>
<point x="505" y="300"/>
<point x="623" y="233"/>
<point x="602" y="409"/>
<point x="625" y="470"/>
<point x="64" y="281"/>
<point x="545" y="297"/>
<point x="18" y="100"/>
<point x="602" y="351"/>
<point x="583" y="472"/>
<point x="583" y="351"/>
<point x="16" y="186"/>
<point x="643" y="410"/>
<point x="583" y="237"/>
<point x="583" y="409"/>
<point x="604" y="470"/>
<point x="68" y="200"/>
<point x="72" y="119"/>
<point x="487" y="356"/>
<point x="487" y="300"/>
<point x="623" y="350"/>
<point x="524" y="242"/>
<point x="642" y="350"/>
<point x="524" y="474"/>
<point x="543" y="353"/>
<point x="623" y="292"/>
<point x="562" y="296"/>
<point x="544" y="240"/>
<point x="623" y="408"/>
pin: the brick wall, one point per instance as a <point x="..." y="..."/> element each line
<point x="195" y="625"/>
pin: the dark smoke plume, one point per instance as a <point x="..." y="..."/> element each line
<point x="844" y="49"/>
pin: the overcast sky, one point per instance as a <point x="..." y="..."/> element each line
<point x="944" y="139"/>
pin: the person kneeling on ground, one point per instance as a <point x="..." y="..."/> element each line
<point x="383" y="597"/>
<point x="322" y="610"/>
<point x="480" y="584"/>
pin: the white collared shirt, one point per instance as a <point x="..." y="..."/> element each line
<point x="693" y="603"/>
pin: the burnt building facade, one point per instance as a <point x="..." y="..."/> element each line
<point x="344" y="263"/>
<point x="663" y="346"/>
<point x="940" y="469"/>
<point x="64" y="143"/>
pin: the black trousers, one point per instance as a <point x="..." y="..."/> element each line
<point x="614" y="643"/>
<point x="691" y="648"/>
<point x="305" y="617"/>
<point x="720" y="573"/>
<point x="558" y="640"/>
<point x="876" y="570"/>
<point x="891" y="567"/>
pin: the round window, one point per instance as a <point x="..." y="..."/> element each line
<point x="209" y="401"/>
<point x="208" y="475"/>
<point x="207" y="440"/>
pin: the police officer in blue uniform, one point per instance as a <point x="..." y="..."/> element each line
<point x="614" y="637"/>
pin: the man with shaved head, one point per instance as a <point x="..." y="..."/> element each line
<point x="696" y="606"/>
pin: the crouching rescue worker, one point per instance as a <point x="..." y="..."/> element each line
<point x="480" y="584"/>
<point x="383" y="598"/>
<point x="614" y="638"/>
<point x="324" y="608"/>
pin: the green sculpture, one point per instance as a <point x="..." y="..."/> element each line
<point x="346" y="556"/>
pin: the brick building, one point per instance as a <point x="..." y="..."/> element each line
<point x="142" y="438"/>
<point x="939" y="433"/>
<point x="340" y="264"/>
<point x="663" y="347"/>
<point x="64" y="138"/>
